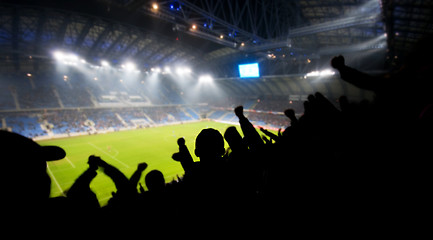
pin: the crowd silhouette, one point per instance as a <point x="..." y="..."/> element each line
<point x="365" y="163"/>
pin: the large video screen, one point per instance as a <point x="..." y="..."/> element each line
<point x="250" y="70"/>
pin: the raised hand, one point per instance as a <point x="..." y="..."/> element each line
<point x="183" y="156"/>
<point x="95" y="162"/>
<point x="270" y="135"/>
<point x="338" y="62"/>
<point x="141" y="166"/>
<point x="290" y="113"/>
<point x="137" y="174"/>
<point x="239" y="111"/>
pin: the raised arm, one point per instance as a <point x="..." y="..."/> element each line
<point x="183" y="156"/>
<point x="252" y="137"/>
<point x="119" y="179"/>
<point x="80" y="192"/>
<point x="272" y="136"/>
<point x="355" y="77"/>
<point x="133" y="180"/>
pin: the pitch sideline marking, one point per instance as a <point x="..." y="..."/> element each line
<point x="69" y="161"/>
<point x="109" y="155"/>
<point x="55" y="180"/>
<point x="116" y="152"/>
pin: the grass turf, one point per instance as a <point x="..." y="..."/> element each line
<point x="123" y="150"/>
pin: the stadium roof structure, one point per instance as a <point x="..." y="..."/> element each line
<point x="286" y="37"/>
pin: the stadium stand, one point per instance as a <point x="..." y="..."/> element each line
<point x="70" y="102"/>
<point x="24" y="124"/>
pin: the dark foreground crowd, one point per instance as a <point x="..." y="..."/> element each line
<point x="364" y="165"/>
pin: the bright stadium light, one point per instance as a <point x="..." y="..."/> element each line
<point x="327" y="72"/>
<point x="129" y="66"/>
<point x="105" y="63"/>
<point x="72" y="57"/>
<point x="183" y="70"/>
<point x="66" y="58"/>
<point x="58" y="55"/>
<point x="323" y="73"/>
<point x="205" y="79"/>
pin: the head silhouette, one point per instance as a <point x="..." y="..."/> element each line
<point x="24" y="167"/>
<point x="155" y="181"/>
<point x="209" y="145"/>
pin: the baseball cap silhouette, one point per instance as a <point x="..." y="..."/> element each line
<point x="24" y="177"/>
<point x="22" y="148"/>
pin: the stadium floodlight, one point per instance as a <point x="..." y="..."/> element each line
<point x="205" y="79"/>
<point x="105" y="63"/>
<point x="73" y="57"/>
<point x="183" y="70"/>
<point x="58" y="55"/>
<point x="327" y="72"/>
<point x="323" y="73"/>
<point x="66" y="58"/>
<point x="129" y="66"/>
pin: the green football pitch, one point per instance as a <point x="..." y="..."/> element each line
<point x="124" y="150"/>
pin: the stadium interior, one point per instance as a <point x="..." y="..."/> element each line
<point x="84" y="67"/>
<point x="140" y="66"/>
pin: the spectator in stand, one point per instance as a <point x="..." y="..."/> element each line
<point x="25" y="182"/>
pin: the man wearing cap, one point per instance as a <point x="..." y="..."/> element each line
<point x="25" y="184"/>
